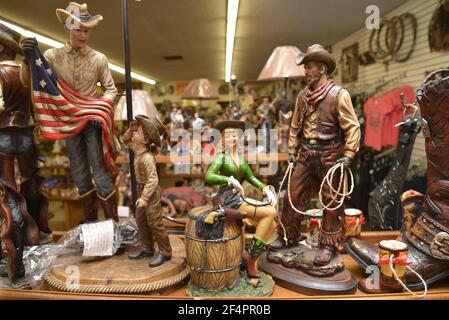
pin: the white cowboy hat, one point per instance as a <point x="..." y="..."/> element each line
<point x="78" y="15"/>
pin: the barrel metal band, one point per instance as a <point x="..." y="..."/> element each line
<point x="214" y="270"/>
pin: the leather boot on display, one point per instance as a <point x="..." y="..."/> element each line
<point x="428" y="237"/>
<point x="90" y="205"/>
<point x="109" y="205"/>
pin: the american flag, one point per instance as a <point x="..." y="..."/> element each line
<point x="61" y="112"/>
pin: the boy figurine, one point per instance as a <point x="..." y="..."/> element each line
<point x="143" y="137"/>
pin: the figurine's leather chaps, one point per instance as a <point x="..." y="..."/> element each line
<point x="306" y="178"/>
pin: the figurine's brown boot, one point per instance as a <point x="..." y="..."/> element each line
<point x="280" y="244"/>
<point x="324" y="255"/>
<point x="109" y="205"/>
<point x="329" y="240"/>
<point x="428" y="238"/>
<point x="90" y="205"/>
<point x="231" y="214"/>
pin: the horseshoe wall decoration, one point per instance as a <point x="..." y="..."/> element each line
<point x="386" y="42"/>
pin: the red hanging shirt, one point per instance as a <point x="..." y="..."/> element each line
<point x="382" y="115"/>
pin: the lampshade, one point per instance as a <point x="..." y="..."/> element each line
<point x="282" y="64"/>
<point x="200" y="89"/>
<point x="142" y="104"/>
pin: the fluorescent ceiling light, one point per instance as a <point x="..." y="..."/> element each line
<point x="231" y="24"/>
<point x="56" y="44"/>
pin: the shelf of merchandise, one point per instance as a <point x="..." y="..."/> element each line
<point x="73" y="210"/>
<point x="437" y="292"/>
<point x="162" y="160"/>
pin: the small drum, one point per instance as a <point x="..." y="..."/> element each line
<point x="396" y="252"/>
<point x="314" y="218"/>
<point x="353" y="223"/>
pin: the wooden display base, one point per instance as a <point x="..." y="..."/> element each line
<point x="293" y="279"/>
<point x="241" y="288"/>
<point x="118" y="274"/>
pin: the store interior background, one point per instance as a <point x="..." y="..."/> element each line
<point x="196" y="31"/>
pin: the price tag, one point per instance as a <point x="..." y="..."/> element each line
<point x="98" y="238"/>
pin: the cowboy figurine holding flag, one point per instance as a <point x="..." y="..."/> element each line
<point x="68" y="106"/>
<point x="324" y="131"/>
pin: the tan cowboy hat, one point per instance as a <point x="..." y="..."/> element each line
<point x="78" y="14"/>
<point x="152" y="127"/>
<point x="10" y="39"/>
<point x="316" y="52"/>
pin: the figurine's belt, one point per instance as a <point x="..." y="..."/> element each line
<point x="313" y="143"/>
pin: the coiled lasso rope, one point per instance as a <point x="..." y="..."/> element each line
<point x="342" y="190"/>
<point x="338" y="195"/>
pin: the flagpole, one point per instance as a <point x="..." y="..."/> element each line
<point x="129" y="100"/>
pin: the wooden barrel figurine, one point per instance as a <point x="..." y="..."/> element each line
<point x="397" y="252"/>
<point x="214" y="263"/>
<point x="353" y="223"/>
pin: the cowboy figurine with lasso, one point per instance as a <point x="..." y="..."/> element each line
<point x="324" y="139"/>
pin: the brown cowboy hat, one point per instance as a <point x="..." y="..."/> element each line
<point x="220" y="126"/>
<point x="78" y="15"/>
<point x="10" y="39"/>
<point x="152" y="127"/>
<point x="317" y="52"/>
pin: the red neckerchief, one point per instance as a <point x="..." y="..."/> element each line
<point x="316" y="96"/>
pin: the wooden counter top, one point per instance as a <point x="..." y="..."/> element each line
<point x="439" y="291"/>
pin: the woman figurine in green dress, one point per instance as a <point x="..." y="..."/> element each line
<point x="228" y="170"/>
